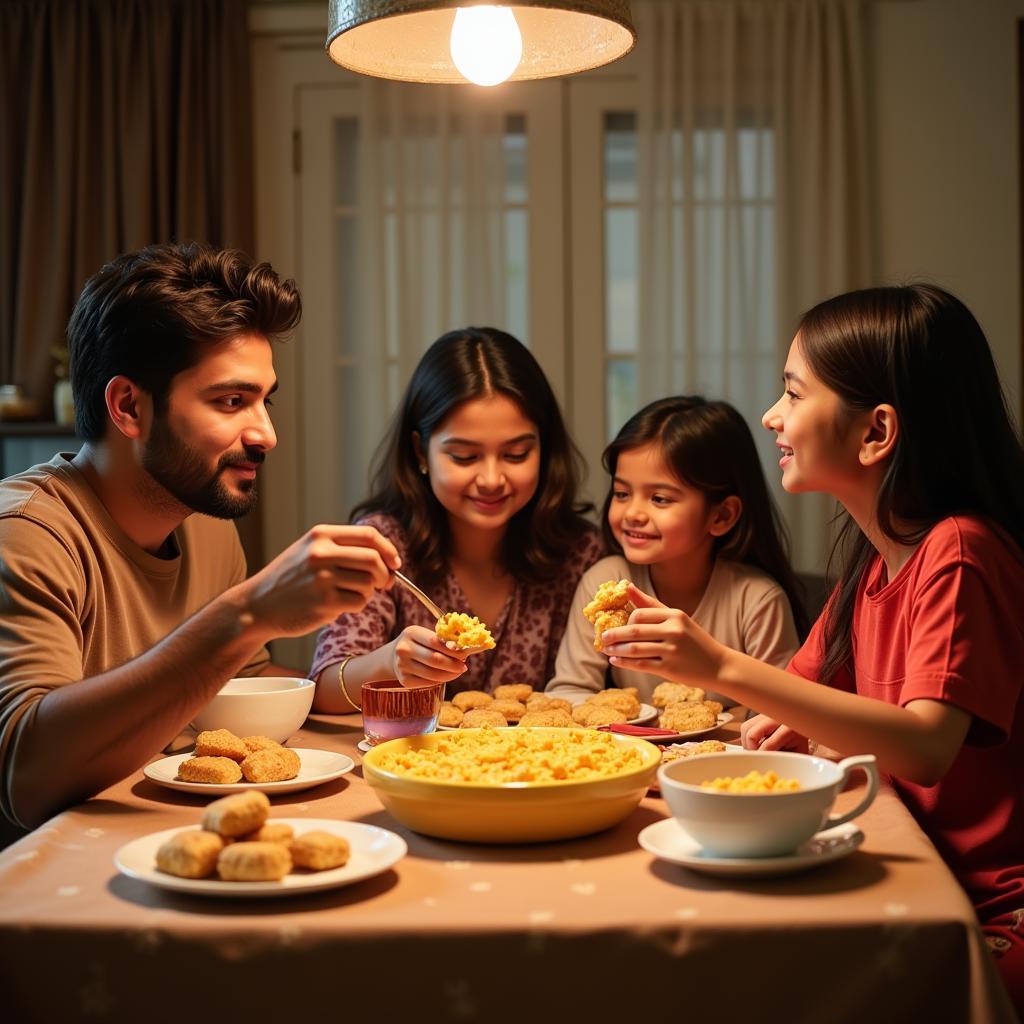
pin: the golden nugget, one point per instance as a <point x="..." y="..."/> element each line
<point x="190" y="854"/>
<point x="319" y="851"/>
<point x="219" y="770"/>
<point x="547" y="718"/>
<point x="673" y="693"/>
<point x="685" y="716"/>
<point x="254" y="862"/>
<point x="271" y="832"/>
<point x="513" y="710"/>
<point x="237" y="814"/>
<point x="220" y="743"/>
<point x="254" y="743"/>
<point x="272" y="764"/>
<point x="449" y="714"/>
<point x="478" y="717"/>
<point x="513" y="691"/>
<point x="468" y="700"/>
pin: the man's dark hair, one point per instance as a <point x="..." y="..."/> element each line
<point x="146" y="314"/>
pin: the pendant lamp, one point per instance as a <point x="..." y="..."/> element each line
<point x="453" y="41"/>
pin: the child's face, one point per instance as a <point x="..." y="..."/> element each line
<point x="816" y="455"/>
<point x="484" y="462"/>
<point x="653" y="514"/>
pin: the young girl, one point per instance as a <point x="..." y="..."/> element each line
<point x="689" y="512"/>
<point x="893" y="406"/>
<point x="476" y="487"/>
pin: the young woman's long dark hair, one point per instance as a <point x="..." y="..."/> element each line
<point x="919" y="349"/>
<point x="709" y="446"/>
<point x="478" y="362"/>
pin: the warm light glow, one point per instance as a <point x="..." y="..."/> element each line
<point x="486" y="44"/>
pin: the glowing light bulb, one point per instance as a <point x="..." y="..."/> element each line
<point x="486" y="44"/>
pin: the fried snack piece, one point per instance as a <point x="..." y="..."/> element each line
<point x="273" y="764"/>
<point x="540" y="702"/>
<point x="477" y="717"/>
<point x="548" y="718"/>
<point x="521" y="692"/>
<point x="675" y="751"/>
<point x="609" y="608"/>
<point x="220" y="743"/>
<point x="627" y="703"/>
<point x="254" y="743"/>
<point x="464" y="631"/>
<point x="270" y="832"/>
<point x="319" y="851"/>
<point x="715" y="706"/>
<point x="513" y="710"/>
<point x="219" y="770"/>
<point x="190" y="854"/>
<point x="237" y="814"/>
<point x="449" y="714"/>
<point x="254" y="862"/>
<point x="673" y="693"/>
<point x="685" y="716"/>
<point x="608" y="620"/>
<point x="593" y="715"/>
<point x="470" y="699"/>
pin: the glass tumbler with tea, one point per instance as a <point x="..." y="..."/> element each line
<point x="391" y="710"/>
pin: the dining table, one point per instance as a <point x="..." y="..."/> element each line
<point x="591" y="929"/>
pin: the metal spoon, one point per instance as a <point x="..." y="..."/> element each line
<point x="419" y="595"/>
<point x="432" y="608"/>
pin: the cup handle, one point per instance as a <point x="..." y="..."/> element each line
<point x="866" y="763"/>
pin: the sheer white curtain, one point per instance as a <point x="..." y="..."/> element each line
<point x="753" y="180"/>
<point x="432" y="230"/>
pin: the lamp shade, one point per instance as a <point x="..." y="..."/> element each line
<point x="410" y="40"/>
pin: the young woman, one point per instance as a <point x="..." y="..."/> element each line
<point x="892" y="405"/>
<point x="476" y="487"/>
<point x="689" y="512"/>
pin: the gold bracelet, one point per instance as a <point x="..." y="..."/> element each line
<point x="341" y="684"/>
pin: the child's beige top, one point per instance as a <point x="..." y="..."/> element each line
<point x="742" y="607"/>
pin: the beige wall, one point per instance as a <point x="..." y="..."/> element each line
<point x="945" y="103"/>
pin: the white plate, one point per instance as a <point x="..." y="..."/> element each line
<point x="373" y="850"/>
<point x="668" y="840"/>
<point x="316" y="767"/>
<point x="646" y="714"/>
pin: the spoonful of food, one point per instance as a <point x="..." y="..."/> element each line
<point x="459" y="630"/>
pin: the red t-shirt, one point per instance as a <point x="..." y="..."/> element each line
<point x="950" y="627"/>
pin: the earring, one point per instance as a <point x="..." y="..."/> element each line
<point x="423" y="468"/>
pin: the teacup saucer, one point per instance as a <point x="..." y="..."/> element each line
<point x="668" y="840"/>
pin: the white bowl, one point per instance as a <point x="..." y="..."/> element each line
<point x="274" y="706"/>
<point x="760" y="824"/>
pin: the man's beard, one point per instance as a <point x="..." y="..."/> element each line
<point x="185" y="475"/>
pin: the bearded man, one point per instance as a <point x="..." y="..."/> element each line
<point x="124" y="602"/>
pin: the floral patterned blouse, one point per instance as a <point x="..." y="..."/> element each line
<point x="527" y="632"/>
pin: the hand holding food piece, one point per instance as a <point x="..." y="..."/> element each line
<point x="609" y="608"/>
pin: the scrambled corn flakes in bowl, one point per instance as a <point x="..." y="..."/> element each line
<point x="511" y="785"/>
<point x="753" y="803"/>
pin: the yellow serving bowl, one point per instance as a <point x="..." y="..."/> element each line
<point x="513" y="812"/>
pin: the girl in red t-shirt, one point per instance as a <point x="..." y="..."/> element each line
<point x="892" y="405"/>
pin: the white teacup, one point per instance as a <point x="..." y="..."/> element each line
<point x="760" y="824"/>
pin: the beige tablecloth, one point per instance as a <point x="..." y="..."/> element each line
<point x="593" y="930"/>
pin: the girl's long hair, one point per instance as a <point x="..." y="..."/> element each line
<point x="709" y="447"/>
<point x="919" y="349"/>
<point x="478" y="362"/>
